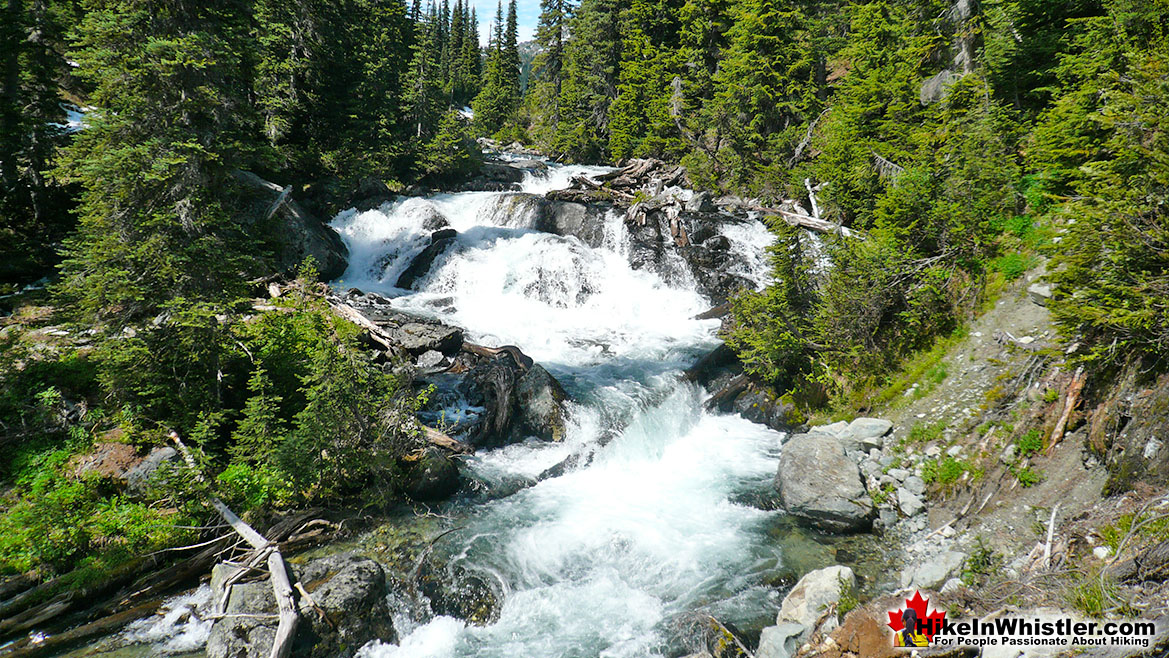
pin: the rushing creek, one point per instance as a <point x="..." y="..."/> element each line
<point x="673" y="517"/>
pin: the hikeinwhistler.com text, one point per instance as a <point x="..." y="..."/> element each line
<point x="1021" y="632"/>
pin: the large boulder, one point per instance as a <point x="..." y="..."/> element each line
<point x="780" y="641"/>
<point x="519" y="398"/>
<point x="300" y="234"/>
<point x="431" y="475"/>
<point x="540" y="399"/>
<point x="819" y="485"/>
<point x="440" y="240"/>
<point x="813" y="596"/>
<point x="350" y="590"/>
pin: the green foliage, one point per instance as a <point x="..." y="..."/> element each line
<point x="926" y="432"/>
<point x="982" y="563"/>
<point x="948" y="470"/>
<point x="499" y="98"/>
<point x="1092" y="595"/>
<point x="1030" y="443"/>
<point x="452" y="153"/>
<point x="1027" y="476"/>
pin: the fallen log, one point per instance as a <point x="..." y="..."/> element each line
<point x="523" y="360"/>
<point x="808" y="222"/>
<point x="441" y="440"/>
<point x="281" y="587"/>
<point x="1073" y="398"/>
<point x="376" y="333"/>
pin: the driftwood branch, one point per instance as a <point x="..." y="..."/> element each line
<point x="376" y="333"/>
<point x="441" y="440"/>
<point x="807" y="221"/>
<point x="281" y="587"/>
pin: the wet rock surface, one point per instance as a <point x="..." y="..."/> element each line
<point x="348" y="609"/>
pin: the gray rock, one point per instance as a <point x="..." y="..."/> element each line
<point x="952" y="585"/>
<point x="352" y="591"/>
<point x="886" y="519"/>
<point x="898" y="474"/>
<point x="821" y="486"/>
<point x="701" y="202"/>
<point x="933" y="451"/>
<point x="541" y="404"/>
<point x="954" y="451"/>
<point x="915" y="485"/>
<point x="420" y="266"/>
<point x="813" y="594"/>
<point x="780" y="641"/>
<point x="909" y="502"/>
<point x="433" y="476"/>
<point x="835" y="429"/>
<point x="866" y="433"/>
<point x="871" y="468"/>
<point x="1009" y="454"/>
<point x="934" y="572"/>
<point x="418" y="337"/>
<point x="431" y="361"/>
<point x="245" y="637"/>
<point x="1040" y="293"/>
<point x="139" y="478"/>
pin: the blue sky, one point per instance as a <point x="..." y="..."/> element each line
<point x="527" y="12"/>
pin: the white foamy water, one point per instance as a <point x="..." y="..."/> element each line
<point x="608" y="559"/>
<point x="179" y="627"/>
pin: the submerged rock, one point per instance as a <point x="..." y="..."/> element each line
<point x="821" y="486"/>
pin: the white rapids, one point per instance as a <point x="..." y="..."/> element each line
<point x="610" y="559"/>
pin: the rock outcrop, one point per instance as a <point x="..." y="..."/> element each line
<point x="820" y="485"/>
<point x="300" y="233"/>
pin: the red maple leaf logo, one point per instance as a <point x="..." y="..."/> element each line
<point x="931" y="622"/>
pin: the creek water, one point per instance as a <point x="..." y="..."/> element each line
<point x="674" y="518"/>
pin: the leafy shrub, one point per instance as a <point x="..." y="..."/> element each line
<point x="1030" y="443"/>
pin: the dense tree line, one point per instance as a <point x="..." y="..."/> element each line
<point x="162" y="248"/>
<point x="962" y="140"/>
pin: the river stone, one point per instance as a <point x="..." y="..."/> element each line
<point x="1040" y="293"/>
<point x="866" y="433"/>
<point x="541" y="403"/>
<point x="909" y="502"/>
<point x="701" y="202"/>
<point x="813" y="594"/>
<point x="821" y="486"/>
<point x="432" y="476"/>
<point x="934" y="572"/>
<point x="245" y="637"/>
<point x="350" y="589"/>
<point x="780" y="641"/>
<point x="418" y="337"/>
<point x="421" y="265"/>
<point x="915" y="485"/>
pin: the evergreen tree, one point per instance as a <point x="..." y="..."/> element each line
<point x="156" y="219"/>
<point x="592" y="66"/>
<point x="32" y="209"/>
<point x="641" y="122"/>
<point x="423" y="91"/>
<point x="499" y="97"/>
<point x="548" y="70"/>
<point x="511" y="53"/>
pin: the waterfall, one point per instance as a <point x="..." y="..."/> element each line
<point x="610" y="558"/>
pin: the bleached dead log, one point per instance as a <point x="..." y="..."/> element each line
<point x="441" y="440"/>
<point x="376" y="333"/>
<point x="807" y="221"/>
<point x="281" y="587"/>
<point x="1073" y="398"/>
